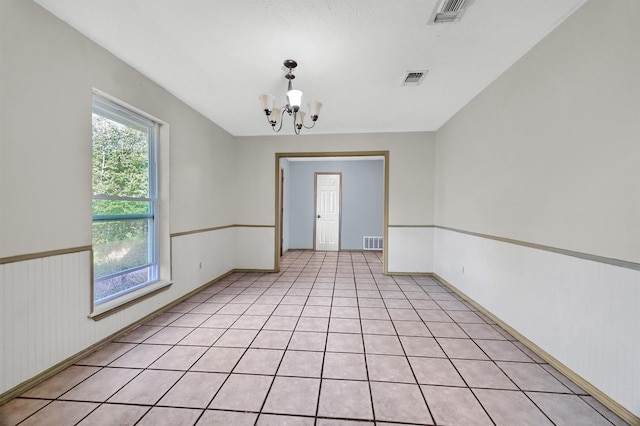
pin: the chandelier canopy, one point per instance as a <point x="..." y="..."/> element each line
<point x="294" y="100"/>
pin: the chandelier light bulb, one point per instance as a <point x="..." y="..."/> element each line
<point x="295" y="99"/>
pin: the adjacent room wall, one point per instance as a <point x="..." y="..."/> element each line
<point x="549" y="154"/>
<point x="362" y="201"/>
<point x="47" y="76"/>
<point x="411" y="174"/>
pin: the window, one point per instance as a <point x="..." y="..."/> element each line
<point x="125" y="203"/>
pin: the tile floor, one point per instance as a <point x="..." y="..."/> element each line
<point x="328" y="341"/>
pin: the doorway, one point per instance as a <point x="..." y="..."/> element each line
<point x="289" y="225"/>
<point x="327" y="207"/>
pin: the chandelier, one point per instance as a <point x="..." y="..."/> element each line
<point x="294" y="100"/>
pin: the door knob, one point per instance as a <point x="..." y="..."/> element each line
<point x="318" y="216"/>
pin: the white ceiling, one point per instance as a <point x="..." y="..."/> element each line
<point x="219" y="55"/>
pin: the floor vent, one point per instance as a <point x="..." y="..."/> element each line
<point x="371" y="243"/>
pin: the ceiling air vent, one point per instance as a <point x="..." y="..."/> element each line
<point x="449" y="11"/>
<point x="414" y="78"/>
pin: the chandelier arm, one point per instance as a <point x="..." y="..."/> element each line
<point x="295" y="126"/>
<point x="309" y="127"/>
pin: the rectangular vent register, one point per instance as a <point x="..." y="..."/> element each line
<point x="371" y="243"/>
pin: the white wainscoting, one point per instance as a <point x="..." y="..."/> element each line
<point x="45" y="302"/>
<point x="201" y="257"/>
<point x="43" y="314"/>
<point x="584" y="313"/>
<point x="254" y="247"/>
<point x="410" y="249"/>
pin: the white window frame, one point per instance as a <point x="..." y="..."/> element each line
<point x="110" y="108"/>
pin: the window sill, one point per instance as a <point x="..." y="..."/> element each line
<point x="113" y="306"/>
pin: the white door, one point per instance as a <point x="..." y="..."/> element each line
<point x="327" y="212"/>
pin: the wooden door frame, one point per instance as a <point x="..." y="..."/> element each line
<point x="315" y="207"/>
<point x="385" y="201"/>
<point x="281" y="198"/>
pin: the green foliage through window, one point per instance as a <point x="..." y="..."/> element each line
<point x="120" y="159"/>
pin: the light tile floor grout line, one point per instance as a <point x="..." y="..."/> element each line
<point x="343" y="289"/>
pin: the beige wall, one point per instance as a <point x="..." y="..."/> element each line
<point x="550" y="152"/>
<point x="47" y="75"/>
<point x="410" y="198"/>
<point x="411" y="172"/>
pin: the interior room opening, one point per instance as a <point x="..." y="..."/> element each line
<point x="358" y="206"/>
